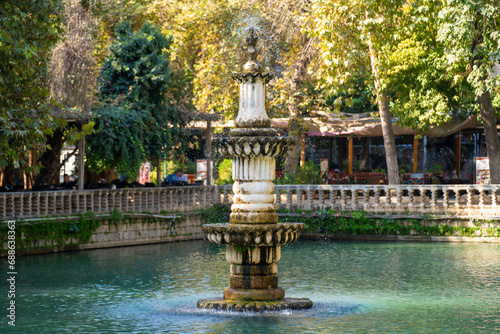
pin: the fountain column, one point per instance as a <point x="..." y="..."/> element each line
<point x="253" y="235"/>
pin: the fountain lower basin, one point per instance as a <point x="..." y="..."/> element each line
<point x="253" y="251"/>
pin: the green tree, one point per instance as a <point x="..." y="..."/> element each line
<point x="135" y="120"/>
<point x="423" y="89"/>
<point x="28" y="29"/>
<point x="470" y="32"/>
<point x="356" y="38"/>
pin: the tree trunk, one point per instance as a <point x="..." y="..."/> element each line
<point x="366" y="153"/>
<point x="487" y="112"/>
<point x="7" y="176"/>
<point x="293" y="153"/>
<point x="391" y="157"/>
<point x="158" y="172"/>
<point x="209" y="151"/>
<point x="294" y="124"/>
<point x="50" y="160"/>
<point x="491" y="133"/>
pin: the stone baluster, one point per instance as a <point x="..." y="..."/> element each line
<point x="422" y="197"/>
<point x="457" y="198"/>
<point x="97" y="201"/>
<point x="225" y="197"/>
<point x="333" y="195"/>
<point x="42" y="204"/>
<point x="355" y="198"/>
<point x="60" y="200"/>
<point x="482" y="194"/>
<point x="412" y="205"/>
<point x="190" y="199"/>
<point x="161" y="200"/>
<point x="399" y="198"/>
<point x="446" y="204"/>
<point x="148" y="200"/>
<point x="388" y="193"/>
<point x="86" y="200"/>
<point x="3" y="205"/>
<point x="105" y="207"/>
<point x="206" y="200"/>
<point x="156" y="199"/>
<point x="321" y="198"/>
<point x="377" y="195"/>
<point x="470" y="191"/>
<point x="299" y="196"/>
<point x="343" y="199"/>
<point x="434" y="193"/>
<point x="26" y="200"/>
<point x="79" y="201"/>
<point x="8" y="206"/>
<point x="310" y="193"/>
<point x="125" y="200"/>
<point x="289" y="198"/>
<point x="16" y="206"/>
<point x="366" y="198"/>
<point x="35" y="203"/>
<point x="277" y="190"/>
<point x="51" y="203"/>
<point x="66" y="201"/>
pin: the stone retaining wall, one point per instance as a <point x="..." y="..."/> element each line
<point x="130" y="230"/>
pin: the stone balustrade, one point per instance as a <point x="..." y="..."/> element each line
<point x="471" y="200"/>
<point x="69" y="202"/>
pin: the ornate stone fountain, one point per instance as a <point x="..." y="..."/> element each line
<point x="253" y="235"/>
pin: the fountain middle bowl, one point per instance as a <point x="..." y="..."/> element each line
<point x="253" y="234"/>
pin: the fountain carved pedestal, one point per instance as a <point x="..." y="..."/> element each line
<point x="253" y="235"/>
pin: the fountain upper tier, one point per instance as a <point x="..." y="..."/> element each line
<point x="252" y="108"/>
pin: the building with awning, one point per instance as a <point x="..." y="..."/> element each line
<point x="341" y="138"/>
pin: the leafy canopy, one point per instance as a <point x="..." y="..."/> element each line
<point x="28" y="29"/>
<point x="135" y="121"/>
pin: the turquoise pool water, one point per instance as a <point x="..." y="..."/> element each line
<point x="356" y="288"/>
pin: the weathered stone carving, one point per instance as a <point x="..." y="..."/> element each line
<point x="253" y="235"/>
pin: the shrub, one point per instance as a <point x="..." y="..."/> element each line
<point x="308" y="174"/>
<point x="225" y="172"/>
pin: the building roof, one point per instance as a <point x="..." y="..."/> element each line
<point x="362" y="125"/>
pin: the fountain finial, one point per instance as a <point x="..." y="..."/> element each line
<point x="252" y="66"/>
